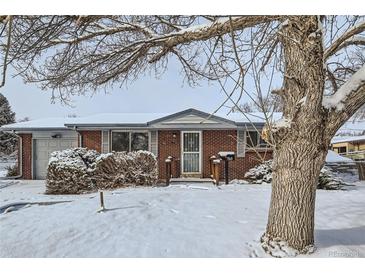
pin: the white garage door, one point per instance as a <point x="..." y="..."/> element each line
<point x="44" y="148"/>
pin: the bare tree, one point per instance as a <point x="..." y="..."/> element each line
<point x="270" y="102"/>
<point x="7" y="116"/>
<point x="318" y="59"/>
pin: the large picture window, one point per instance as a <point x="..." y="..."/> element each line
<point x="129" y="141"/>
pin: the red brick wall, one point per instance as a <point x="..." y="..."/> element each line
<point x="225" y="140"/>
<point x="91" y="139"/>
<point x="26" y="155"/>
<point x="213" y="142"/>
<point x="168" y="145"/>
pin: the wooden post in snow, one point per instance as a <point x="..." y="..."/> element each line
<point x="168" y="170"/>
<point x="211" y="166"/>
<point x="102" y="207"/>
<point x="216" y="164"/>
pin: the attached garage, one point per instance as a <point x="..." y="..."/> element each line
<point x="44" y="145"/>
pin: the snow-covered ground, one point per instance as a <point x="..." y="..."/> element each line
<point x="333" y="157"/>
<point x="198" y="220"/>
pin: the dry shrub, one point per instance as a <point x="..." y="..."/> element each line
<point x="80" y="170"/>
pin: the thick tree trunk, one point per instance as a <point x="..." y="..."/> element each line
<point x="300" y="144"/>
<point x="296" y="169"/>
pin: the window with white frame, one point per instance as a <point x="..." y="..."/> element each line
<point x="129" y="141"/>
<point x="254" y="139"/>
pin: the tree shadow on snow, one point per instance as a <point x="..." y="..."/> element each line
<point x="119" y="208"/>
<point x="343" y="236"/>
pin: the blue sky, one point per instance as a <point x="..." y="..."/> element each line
<point x="147" y="94"/>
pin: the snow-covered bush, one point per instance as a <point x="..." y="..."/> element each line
<point x="70" y="171"/>
<point x="328" y="180"/>
<point x="119" y="169"/>
<point x="262" y="173"/>
<point x="144" y="171"/>
<point x="80" y="170"/>
<point x="110" y="170"/>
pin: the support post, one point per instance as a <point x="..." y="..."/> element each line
<point x="168" y="170"/>
<point x="216" y="164"/>
<point x="226" y="170"/>
<point x="211" y="165"/>
<point x="177" y="167"/>
<point x="102" y="207"/>
<point x="102" y="200"/>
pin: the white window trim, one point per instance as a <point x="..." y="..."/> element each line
<point x="130" y="139"/>
<point x="182" y="151"/>
<point x="103" y="141"/>
<point x="150" y="141"/>
<point x="241" y="143"/>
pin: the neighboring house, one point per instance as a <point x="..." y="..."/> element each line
<point x="191" y="137"/>
<point x="349" y="146"/>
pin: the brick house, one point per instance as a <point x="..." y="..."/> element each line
<point x="190" y="137"/>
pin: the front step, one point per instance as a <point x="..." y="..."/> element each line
<point x="190" y="180"/>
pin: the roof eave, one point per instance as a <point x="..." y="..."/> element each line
<point x="249" y="124"/>
<point x="106" y="125"/>
<point x="32" y="129"/>
<point x="190" y="111"/>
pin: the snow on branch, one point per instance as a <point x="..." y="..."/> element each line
<point x="337" y="100"/>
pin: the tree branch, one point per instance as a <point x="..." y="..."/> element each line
<point x="345" y="40"/>
<point x="346" y="101"/>
<point x="5" y="65"/>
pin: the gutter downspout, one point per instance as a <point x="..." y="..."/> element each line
<point x="79" y="136"/>
<point x="20" y="159"/>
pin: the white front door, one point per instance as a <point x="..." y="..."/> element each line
<point x="191" y="152"/>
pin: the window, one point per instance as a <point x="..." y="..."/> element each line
<point x="341" y="150"/>
<point x="120" y="141"/>
<point x="262" y="142"/>
<point x="139" y="141"/>
<point x="129" y="141"/>
<point x="254" y="139"/>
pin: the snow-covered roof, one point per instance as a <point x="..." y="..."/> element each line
<point x="251" y="117"/>
<point x="116" y="119"/>
<point x="351" y="127"/>
<point x="134" y="120"/>
<point x="41" y="124"/>
<point x="333" y="157"/>
<point x="145" y="118"/>
<point x="344" y="139"/>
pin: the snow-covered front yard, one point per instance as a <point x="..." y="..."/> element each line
<point x="198" y="220"/>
